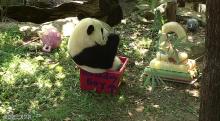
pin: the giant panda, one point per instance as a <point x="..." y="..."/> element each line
<point x="93" y="46"/>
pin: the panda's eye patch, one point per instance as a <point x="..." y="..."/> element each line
<point x="90" y="29"/>
<point x="102" y="30"/>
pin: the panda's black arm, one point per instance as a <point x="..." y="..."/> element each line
<point x="99" y="56"/>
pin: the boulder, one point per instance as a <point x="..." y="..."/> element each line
<point x="40" y="11"/>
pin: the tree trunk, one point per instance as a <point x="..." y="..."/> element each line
<point x="210" y="85"/>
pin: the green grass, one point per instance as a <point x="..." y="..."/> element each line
<point x="46" y="87"/>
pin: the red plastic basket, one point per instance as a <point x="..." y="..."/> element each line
<point x="107" y="82"/>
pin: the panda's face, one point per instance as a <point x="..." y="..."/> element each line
<point x="88" y="32"/>
<point x="97" y="33"/>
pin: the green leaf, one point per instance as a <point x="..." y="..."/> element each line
<point x="153" y="4"/>
<point x="154" y="84"/>
<point x="147" y="80"/>
<point x="176" y="56"/>
<point x="161" y="81"/>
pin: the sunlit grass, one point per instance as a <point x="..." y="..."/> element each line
<point x="28" y="82"/>
<point x="27" y="67"/>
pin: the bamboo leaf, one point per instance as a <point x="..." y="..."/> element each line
<point x="176" y="56"/>
<point x="153" y="83"/>
<point x="161" y="80"/>
<point x="147" y="80"/>
<point x="157" y="80"/>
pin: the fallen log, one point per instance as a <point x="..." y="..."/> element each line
<point x="106" y="10"/>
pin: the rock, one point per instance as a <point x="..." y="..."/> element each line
<point x="40" y="11"/>
<point x="64" y="26"/>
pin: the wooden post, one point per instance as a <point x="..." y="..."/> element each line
<point x="171" y="10"/>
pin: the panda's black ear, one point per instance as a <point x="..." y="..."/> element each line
<point x="90" y="29"/>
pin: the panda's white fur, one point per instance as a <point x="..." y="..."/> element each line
<point x="79" y="40"/>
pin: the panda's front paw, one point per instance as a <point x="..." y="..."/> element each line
<point x="113" y="40"/>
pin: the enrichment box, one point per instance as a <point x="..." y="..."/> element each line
<point x="107" y="82"/>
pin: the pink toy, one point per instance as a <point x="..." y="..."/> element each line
<point x="51" y="39"/>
